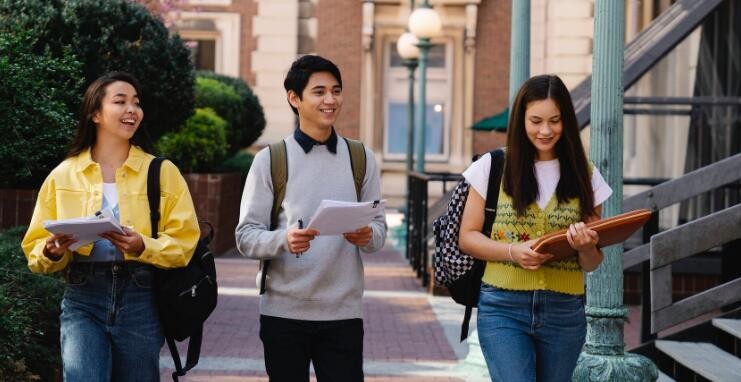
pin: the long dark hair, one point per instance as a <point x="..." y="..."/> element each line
<point x="91" y="103"/>
<point x="519" y="171"/>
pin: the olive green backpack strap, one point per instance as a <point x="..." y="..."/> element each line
<point x="279" y="176"/>
<point x="357" y="162"/>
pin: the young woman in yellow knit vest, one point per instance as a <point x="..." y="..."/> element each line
<point x="531" y="321"/>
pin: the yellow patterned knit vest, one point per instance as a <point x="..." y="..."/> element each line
<point x="563" y="276"/>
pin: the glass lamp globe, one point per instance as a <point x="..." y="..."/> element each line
<point x="425" y="23"/>
<point x="407" y="46"/>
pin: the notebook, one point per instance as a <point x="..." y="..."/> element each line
<point x="612" y="230"/>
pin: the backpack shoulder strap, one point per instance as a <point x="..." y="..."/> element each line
<point x="153" y="193"/>
<point x="490" y="214"/>
<point x="492" y="193"/>
<point x="279" y="176"/>
<point x="153" y="196"/>
<point x="357" y="162"/>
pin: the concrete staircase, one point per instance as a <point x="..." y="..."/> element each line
<point x="710" y="351"/>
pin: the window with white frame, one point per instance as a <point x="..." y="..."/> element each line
<point x="396" y="104"/>
<point x="200" y="36"/>
<point x="213" y="38"/>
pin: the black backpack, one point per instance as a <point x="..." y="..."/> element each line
<point x="185" y="296"/>
<point x="457" y="271"/>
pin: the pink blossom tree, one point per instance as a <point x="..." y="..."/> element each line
<point x="166" y="10"/>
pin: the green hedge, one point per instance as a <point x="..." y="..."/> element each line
<point x="249" y="125"/>
<point x="36" y="102"/>
<point x="200" y="145"/>
<point x="225" y="101"/>
<point x="29" y="315"/>
<point x="239" y="162"/>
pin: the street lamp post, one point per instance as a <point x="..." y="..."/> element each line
<point x="519" y="58"/>
<point x="408" y="51"/>
<point x="424" y="23"/>
<point x="604" y="357"/>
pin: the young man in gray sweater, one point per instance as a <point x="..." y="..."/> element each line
<point x="311" y="310"/>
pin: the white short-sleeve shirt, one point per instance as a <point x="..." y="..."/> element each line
<point x="547" y="173"/>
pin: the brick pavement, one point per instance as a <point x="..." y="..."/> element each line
<point x="409" y="335"/>
<point x="404" y="340"/>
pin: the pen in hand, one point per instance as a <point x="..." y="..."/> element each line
<point x="300" y="226"/>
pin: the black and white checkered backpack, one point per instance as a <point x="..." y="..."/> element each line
<point x="457" y="271"/>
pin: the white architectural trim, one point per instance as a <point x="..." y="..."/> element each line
<point x="469" y="67"/>
<point x="276" y="28"/>
<point x="367" y="121"/>
<point x="228" y="29"/>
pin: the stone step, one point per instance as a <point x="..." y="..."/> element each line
<point x="664" y="378"/>
<point x="729" y="326"/>
<point x="704" y="359"/>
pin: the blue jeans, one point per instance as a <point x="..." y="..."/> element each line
<point x="110" y="328"/>
<point x="530" y="335"/>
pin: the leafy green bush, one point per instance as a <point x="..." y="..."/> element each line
<point x="107" y="35"/>
<point x="250" y="125"/>
<point x="225" y="101"/>
<point x="239" y="162"/>
<point x="29" y="315"/>
<point x="36" y="102"/>
<point x="200" y="145"/>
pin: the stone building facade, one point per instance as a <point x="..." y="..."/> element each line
<point x="467" y="79"/>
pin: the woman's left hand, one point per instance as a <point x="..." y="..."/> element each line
<point x="128" y="242"/>
<point x="582" y="238"/>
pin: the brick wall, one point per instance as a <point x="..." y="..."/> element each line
<point x="339" y="40"/>
<point x="217" y="198"/>
<point x="16" y="207"/>
<point x="491" y="76"/>
<point x="214" y="195"/>
<point x="683" y="286"/>
<point x="484" y="141"/>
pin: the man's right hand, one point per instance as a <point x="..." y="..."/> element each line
<point x="299" y="239"/>
<point x="57" y="245"/>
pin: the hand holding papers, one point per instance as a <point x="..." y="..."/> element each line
<point x="86" y="229"/>
<point x="334" y="217"/>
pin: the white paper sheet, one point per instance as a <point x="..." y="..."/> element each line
<point x="85" y="229"/>
<point x="334" y="217"/>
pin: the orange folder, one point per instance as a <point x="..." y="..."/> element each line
<point x="612" y="230"/>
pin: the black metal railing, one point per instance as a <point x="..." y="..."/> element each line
<point x="420" y="215"/>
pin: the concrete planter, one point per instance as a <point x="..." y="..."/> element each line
<point x="216" y="198"/>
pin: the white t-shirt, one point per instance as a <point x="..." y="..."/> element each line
<point x="547" y="173"/>
<point x="110" y="194"/>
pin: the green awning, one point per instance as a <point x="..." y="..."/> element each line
<point x="496" y="122"/>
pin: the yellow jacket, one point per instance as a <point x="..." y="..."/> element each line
<point x="75" y="189"/>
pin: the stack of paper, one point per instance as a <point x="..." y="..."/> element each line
<point x="85" y="229"/>
<point x="334" y="217"/>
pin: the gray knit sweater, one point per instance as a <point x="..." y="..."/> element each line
<point x="326" y="282"/>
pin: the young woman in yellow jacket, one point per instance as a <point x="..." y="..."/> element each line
<point x="109" y="323"/>
<point x="530" y="320"/>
